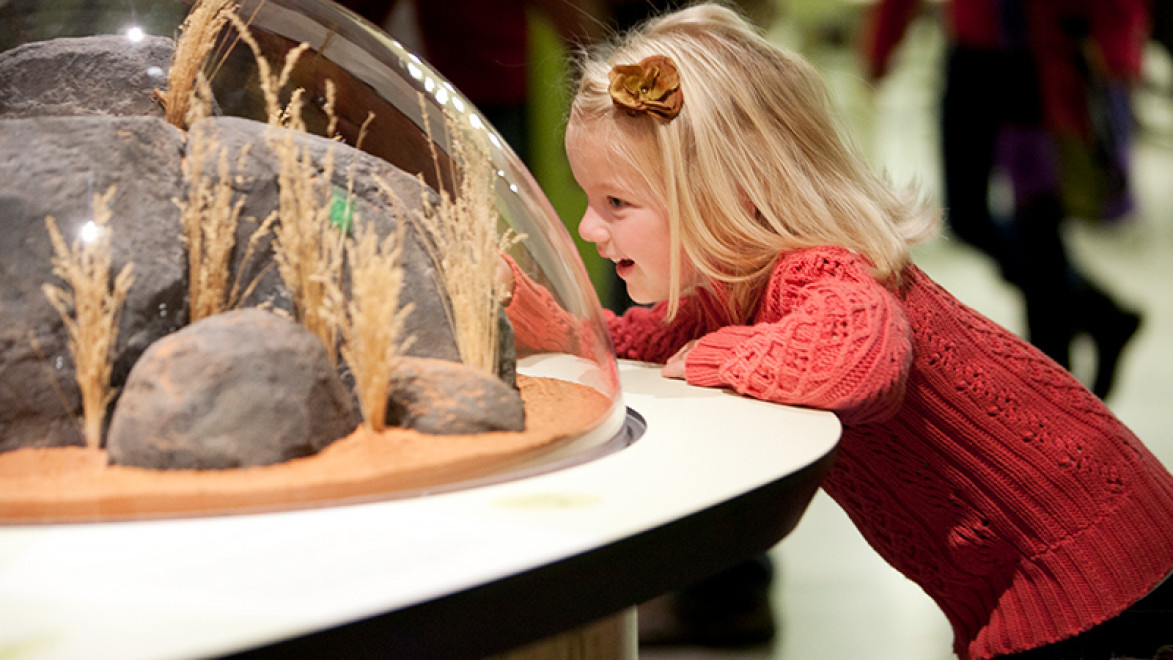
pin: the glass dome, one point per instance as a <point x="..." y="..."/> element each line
<point x="188" y="192"/>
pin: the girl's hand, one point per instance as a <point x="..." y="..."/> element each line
<point x="674" y="368"/>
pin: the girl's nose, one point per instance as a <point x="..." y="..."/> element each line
<point x="591" y="228"/>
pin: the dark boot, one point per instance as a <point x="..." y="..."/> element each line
<point x="1110" y="326"/>
<point x="1110" y="340"/>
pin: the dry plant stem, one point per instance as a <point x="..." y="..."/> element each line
<point x="200" y="100"/>
<point x="331" y="100"/>
<point x="463" y="232"/>
<point x="372" y="320"/>
<point x="210" y="218"/>
<point x="270" y="85"/>
<point x="228" y="45"/>
<point x="307" y="249"/>
<point x="209" y="215"/>
<point x="362" y="130"/>
<point x="90" y="310"/>
<point x="362" y="134"/>
<point x="197" y="37"/>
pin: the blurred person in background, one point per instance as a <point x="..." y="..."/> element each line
<point x="482" y="48"/>
<point x="1037" y="90"/>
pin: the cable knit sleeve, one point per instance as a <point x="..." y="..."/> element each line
<point x="539" y="322"/>
<point x="827" y="335"/>
<point x="644" y="334"/>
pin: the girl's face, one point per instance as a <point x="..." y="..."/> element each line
<point x="622" y="219"/>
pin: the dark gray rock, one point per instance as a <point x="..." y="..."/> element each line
<point x="243" y="388"/>
<point x="258" y="182"/>
<point x="441" y="397"/>
<point x="53" y="166"/>
<point x="101" y="75"/>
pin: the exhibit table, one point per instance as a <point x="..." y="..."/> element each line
<point x="715" y="478"/>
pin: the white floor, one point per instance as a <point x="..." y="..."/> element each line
<point x="835" y="599"/>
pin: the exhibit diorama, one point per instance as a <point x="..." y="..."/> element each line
<point x="249" y="262"/>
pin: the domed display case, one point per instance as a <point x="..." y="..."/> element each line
<point x="252" y="259"/>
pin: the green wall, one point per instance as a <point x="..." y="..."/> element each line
<point x="550" y="90"/>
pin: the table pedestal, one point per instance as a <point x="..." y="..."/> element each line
<point x="610" y="638"/>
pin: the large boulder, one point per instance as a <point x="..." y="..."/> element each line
<point x="238" y="389"/>
<point x="54" y="166"/>
<point x="101" y="75"/>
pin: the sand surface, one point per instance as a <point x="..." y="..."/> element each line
<point x="72" y="484"/>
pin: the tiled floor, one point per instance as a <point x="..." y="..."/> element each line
<point x="835" y="599"/>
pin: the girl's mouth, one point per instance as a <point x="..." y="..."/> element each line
<point x="623" y="267"/>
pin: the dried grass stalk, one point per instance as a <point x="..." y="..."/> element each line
<point x="90" y="309"/>
<point x="371" y="319"/>
<point x="462" y="232"/>
<point x="308" y="250"/>
<point x="197" y="37"/>
<point x="210" y="217"/>
<point x="200" y="100"/>
<point x="278" y="114"/>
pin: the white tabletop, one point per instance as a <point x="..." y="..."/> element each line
<point x="209" y="586"/>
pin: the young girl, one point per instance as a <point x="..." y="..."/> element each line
<point x="778" y="266"/>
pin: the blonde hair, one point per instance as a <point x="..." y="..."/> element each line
<point x="755" y="164"/>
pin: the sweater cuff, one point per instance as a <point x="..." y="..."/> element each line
<point x="703" y="366"/>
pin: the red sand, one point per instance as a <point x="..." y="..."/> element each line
<point x="71" y="484"/>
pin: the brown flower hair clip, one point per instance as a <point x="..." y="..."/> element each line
<point x="650" y="87"/>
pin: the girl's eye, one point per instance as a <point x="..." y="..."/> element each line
<point x="615" y="203"/>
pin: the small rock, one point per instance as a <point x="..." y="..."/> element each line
<point x="243" y="388"/>
<point x="441" y="397"/>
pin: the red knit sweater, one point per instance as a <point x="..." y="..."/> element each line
<point x="971" y="462"/>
